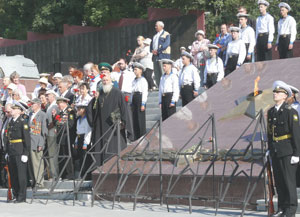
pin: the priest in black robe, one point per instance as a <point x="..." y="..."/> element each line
<point x="102" y="112"/>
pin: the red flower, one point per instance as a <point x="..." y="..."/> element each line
<point x="29" y="104"/>
<point x="91" y="76"/>
<point x="4" y="88"/>
<point x="102" y="76"/>
<point x="76" y="90"/>
<point x="5" y="130"/>
<point x="126" y="98"/>
<point x="2" y="94"/>
<point x="217" y="35"/>
<point x="129" y="51"/>
<point x="58" y="118"/>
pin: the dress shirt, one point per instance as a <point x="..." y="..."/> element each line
<point x="265" y="24"/>
<point x="169" y="84"/>
<point x="236" y="47"/>
<point x="33" y="114"/>
<point x="214" y="66"/>
<point x="83" y="101"/>
<point x="155" y="40"/>
<point x="93" y="83"/>
<point x="189" y="75"/>
<point x="140" y="85"/>
<point x="287" y="26"/>
<point x="83" y="127"/>
<point x="128" y="78"/>
<point x="247" y="34"/>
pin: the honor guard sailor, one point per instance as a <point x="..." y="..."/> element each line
<point x="284" y="148"/>
<point x="168" y="90"/>
<point x="189" y="79"/>
<point x="287" y="31"/>
<point x="247" y="34"/>
<point x="139" y="100"/>
<point x="236" y="52"/>
<point x="17" y="140"/>
<point x="293" y="100"/>
<point x="264" y="32"/>
<point x="214" y="70"/>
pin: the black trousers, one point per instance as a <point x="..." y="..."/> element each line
<point x="187" y="94"/>
<point x="231" y="64"/>
<point x="157" y="70"/>
<point x="148" y="75"/>
<point x="285" y="182"/>
<point x="247" y="49"/>
<point x="211" y="79"/>
<point x="166" y="110"/>
<point x="69" y="170"/>
<point x="283" y="47"/>
<point x="263" y="53"/>
<point x="81" y="153"/>
<point x="138" y="116"/>
<point x="18" y="176"/>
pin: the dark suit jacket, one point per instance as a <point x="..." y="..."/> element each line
<point x="70" y="96"/>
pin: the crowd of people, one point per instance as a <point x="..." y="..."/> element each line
<point x="89" y="101"/>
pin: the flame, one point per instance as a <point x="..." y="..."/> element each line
<point x="255" y="92"/>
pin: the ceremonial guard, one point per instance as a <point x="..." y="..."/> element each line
<point x="247" y="35"/>
<point x="264" y="32"/>
<point x="287" y="32"/>
<point x="189" y="79"/>
<point x="236" y="52"/>
<point x="139" y="100"/>
<point x="284" y="148"/>
<point x="38" y="135"/>
<point x="214" y="70"/>
<point x="65" y="122"/>
<point x="293" y="100"/>
<point x="17" y="140"/>
<point x="168" y="90"/>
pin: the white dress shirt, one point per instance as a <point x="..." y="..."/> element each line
<point x="265" y="24"/>
<point x="169" y="84"/>
<point x="236" y="47"/>
<point x="247" y="34"/>
<point x="214" y="66"/>
<point x="83" y="101"/>
<point x="83" y="127"/>
<point x="189" y="75"/>
<point x="287" y="26"/>
<point x="140" y="85"/>
<point x="93" y="84"/>
<point x="128" y="78"/>
<point x="155" y="40"/>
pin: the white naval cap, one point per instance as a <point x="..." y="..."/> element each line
<point x="285" y="5"/>
<point x="12" y="86"/>
<point x="242" y="15"/>
<point x="187" y="54"/>
<point x="138" y="65"/>
<point x="294" y="89"/>
<point x="282" y="86"/>
<point x="18" y="105"/>
<point x="212" y="46"/>
<point x="200" y="32"/>
<point x="234" y="29"/>
<point x="264" y="2"/>
<point x="57" y="75"/>
<point x="167" y="61"/>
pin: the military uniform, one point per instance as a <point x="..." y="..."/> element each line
<point x="62" y="138"/>
<point x="283" y="144"/>
<point x="17" y="140"/>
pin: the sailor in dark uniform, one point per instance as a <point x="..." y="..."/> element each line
<point x="189" y="79"/>
<point x="287" y="32"/>
<point x="236" y="51"/>
<point x="65" y="122"/>
<point x="168" y="90"/>
<point x="284" y="148"/>
<point x="17" y="140"/>
<point x="264" y="32"/>
<point x="138" y="100"/>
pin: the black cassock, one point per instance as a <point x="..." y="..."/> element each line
<point x="100" y="114"/>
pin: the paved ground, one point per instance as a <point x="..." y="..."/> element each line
<point x="102" y="209"/>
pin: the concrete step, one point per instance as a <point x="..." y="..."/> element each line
<point x="153" y="117"/>
<point x="68" y="184"/>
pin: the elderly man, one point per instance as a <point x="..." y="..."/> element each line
<point x="287" y="32"/>
<point x="87" y="70"/>
<point x="65" y="91"/>
<point x="51" y="138"/>
<point x="101" y="115"/>
<point x="160" y="47"/>
<point x="284" y="148"/>
<point x="38" y="133"/>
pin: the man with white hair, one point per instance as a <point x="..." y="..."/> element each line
<point x="104" y="111"/>
<point x="65" y="92"/>
<point x="160" y="47"/>
<point x="87" y="70"/>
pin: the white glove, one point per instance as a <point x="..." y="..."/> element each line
<point x="6" y="156"/>
<point x="24" y="158"/>
<point x="294" y="160"/>
<point x="267" y="155"/>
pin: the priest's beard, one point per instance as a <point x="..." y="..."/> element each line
<point x="107" y="88"/>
